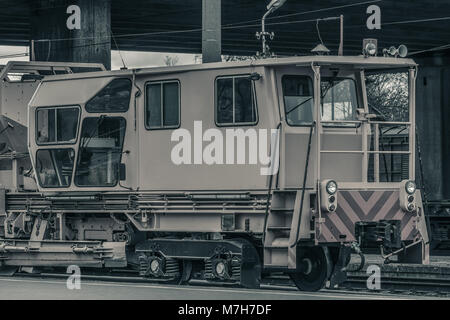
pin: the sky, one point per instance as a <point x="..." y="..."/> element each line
<point x="132" y="59"/>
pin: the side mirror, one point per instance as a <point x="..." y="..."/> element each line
<point x="122" y="172"/>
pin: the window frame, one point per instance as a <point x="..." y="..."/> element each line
<point x="109" y="111"/>
<point x="78" y="155"/>
<point x="335" y="123"/>
<point x="254" y="100"/>
<point x="73" y="168"/>
<point x="162" y="82"/>
<point x="70" y="142"/>
<point x="284" y="103"/>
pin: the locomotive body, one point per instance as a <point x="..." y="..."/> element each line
<point x="221" y="171"/>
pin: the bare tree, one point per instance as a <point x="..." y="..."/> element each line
<point x="388" y="96"/>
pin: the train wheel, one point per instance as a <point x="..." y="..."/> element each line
<point x="184" y="275"/>
<point x="314" y="270"/>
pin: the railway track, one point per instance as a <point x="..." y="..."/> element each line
<point x="356" y="282"/>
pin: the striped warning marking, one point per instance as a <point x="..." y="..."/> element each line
<point x="367" y="206"/>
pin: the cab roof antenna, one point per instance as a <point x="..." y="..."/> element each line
<point x="271" y="7"/>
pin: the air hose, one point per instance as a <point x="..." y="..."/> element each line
<point x="356" y="249"/>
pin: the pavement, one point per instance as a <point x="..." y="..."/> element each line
<point x="17" y="287"/>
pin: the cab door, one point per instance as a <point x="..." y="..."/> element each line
<point x="342" y="126"/>
<point x="296" y="100"/>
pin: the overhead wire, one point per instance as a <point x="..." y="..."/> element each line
<point x="238" y="25"/>
<point x="310" y="11"/>
<point x="443" y="47"/>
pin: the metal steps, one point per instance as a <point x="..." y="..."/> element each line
<point x="278" y="229"/>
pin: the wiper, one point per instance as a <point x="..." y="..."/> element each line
<point x="91" y="135"/>
<point x="299" y="105"/>
<point x="331" y="82"/>
<point x="379" y="112"/>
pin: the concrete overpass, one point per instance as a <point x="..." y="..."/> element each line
<point x="176" y="25"/>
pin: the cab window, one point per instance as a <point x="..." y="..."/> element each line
<point x="162" y="105"/>
<point x="298" y="96"/>
<point x="235" y="101"/>
<point x="54" y="167"/>
<point x="115" y="97"/>
<point x="388" y="95"/>
<point x="57" y="125"/>
<point x="100" y="151"/>
<point x="338" y="100"/>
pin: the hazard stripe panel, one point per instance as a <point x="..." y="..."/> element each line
<point x="367" y="206"/>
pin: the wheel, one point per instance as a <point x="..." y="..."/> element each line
<point x="314" y="270"/>
<point x="184" y="275"/>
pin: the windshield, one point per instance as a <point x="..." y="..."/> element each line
<point x="388" y="99"/>
<point x="298" y="100"/>
<point x="339" y="100"/>
<point x="100" y="151"/>
<point x="54" y="167"/>
<point x="115" y="97"/>
<point x="388" y="95"/>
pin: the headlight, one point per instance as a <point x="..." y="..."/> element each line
<point x="410" y="187"/>
<point x="371" y="49"/>
<point x="331" y="187"/>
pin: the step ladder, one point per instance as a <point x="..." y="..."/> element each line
<point x="278" y="229"/>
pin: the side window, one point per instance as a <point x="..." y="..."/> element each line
<point x="162" y="105"/>
<point x="57" y="125"/>
<point x="298" y="99"/>
<point x="115" y="97"/>
<point x="235" y="101"/>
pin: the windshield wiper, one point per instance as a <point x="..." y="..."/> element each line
<point x="91" y="135"/>
<point x="379" y="112"/>
<point x="299" y="105"/>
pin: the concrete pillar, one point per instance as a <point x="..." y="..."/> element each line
<point x="428" y="119"/>
<point x="90" y="43"/>
<point x="212" y="31"/>
<point x="433" y="118"/>
<point x="446" y="130"/>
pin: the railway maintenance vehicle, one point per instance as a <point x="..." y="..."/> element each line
<point x="224" y="171"/>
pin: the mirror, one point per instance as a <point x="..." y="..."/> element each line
<point x="122" y="172"/>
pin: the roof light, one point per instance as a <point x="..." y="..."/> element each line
<point x="370" y="47"/>
<point x="275" y="4"/>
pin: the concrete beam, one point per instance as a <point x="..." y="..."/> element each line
<point x="212" y="31"/>
<point x="54" y="41"/>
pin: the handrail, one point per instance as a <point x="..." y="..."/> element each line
<point x="269" y="192"/>
<point x="313" y="124"/>
<point x="341" y="121"/>
<point x="368" y="151"/>
<point x="391" y="122"/>
<point x="370" y="122"/>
